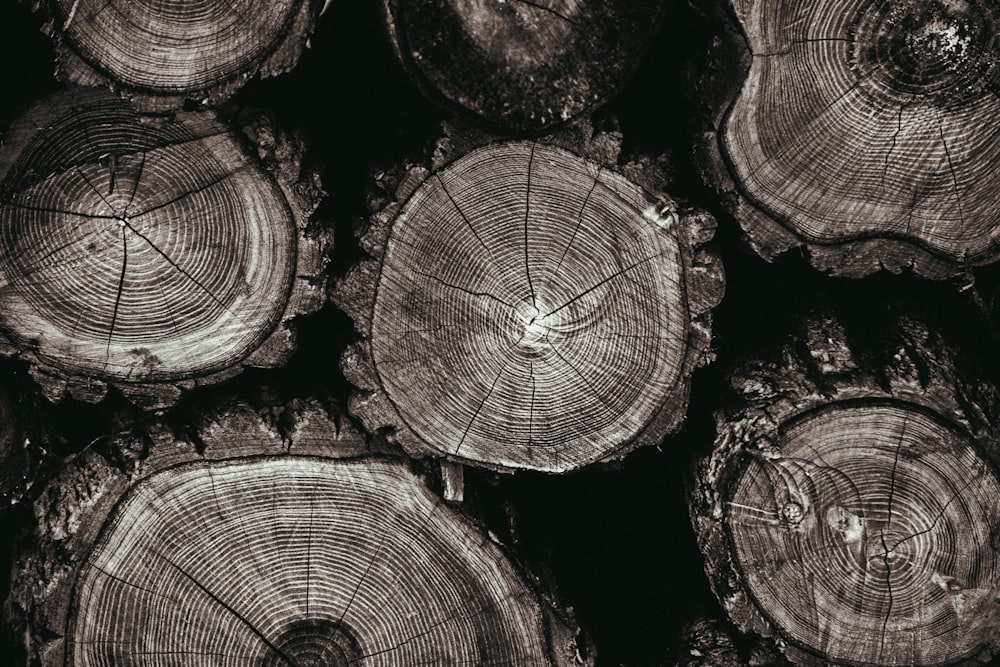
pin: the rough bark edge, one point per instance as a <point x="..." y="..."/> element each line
<point x="692" y="229"/>
<point x="724" y="74"/>
<point x="71" y="68"/>
<point x="72" y="510"/>
<point x="713" y="642"/>
<point x="820" y="368"/>
<point x="280" y="155"/>
<point x="498" y="125"/>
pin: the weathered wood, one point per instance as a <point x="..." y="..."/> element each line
<point x="710" y="642"/>
<point x="246" y="544"/>
<point x="529" y="307"/>
<point x="863" y="132"/>
<point x="522" y="65"/>
<point x="849" y="507"/>
<point x="150" y="254"/>
<point x="160" y="54"/>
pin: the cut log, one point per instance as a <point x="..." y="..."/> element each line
<point x="849" y="508"/>
<point x="529" y="308"/>
<point x="150" y="254"/>
<point x="263" y="550"/>
<point x="861" y="131"/>
<point x="161" y="54"/>
<point x="521" y="65"/>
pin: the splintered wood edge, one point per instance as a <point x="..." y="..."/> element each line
<point x="72" y="511"/>
<point x="704" y="285"/>
<point x="719" y="87"/>
<point x="774" y="393"/>
<point x="71" y="68"/>
<point x="280" y="155"/>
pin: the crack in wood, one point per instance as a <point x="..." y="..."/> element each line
<point x="576" y="228"/>
<point x="527" y="211"/>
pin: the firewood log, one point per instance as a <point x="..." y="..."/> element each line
<point x="160" y="54"/>
<point x="246" y="544"/>
<point x="150" y="254"/>
<point x="529" y="307"/>
<point x="850" y="506"/>
<point x="521" y="65"/>
<point x="863" y="132"/>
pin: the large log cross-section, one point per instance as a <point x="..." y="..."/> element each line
<point x="850" y="509"/>
<point x="161" y="53"/>
<point x="145" y="252"/>
<point x="532" y="309"/>
<point x="864" y="131"/>
<point x="290" y="548"/>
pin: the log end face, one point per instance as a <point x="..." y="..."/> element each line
<point x="522" y="294"/>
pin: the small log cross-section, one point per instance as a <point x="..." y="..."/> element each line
<point x="161" y="53"/>
<point x="299" y="555"/>
<point x="856" y="524"/>
<point x="864" y="131"/>
<point x="146" y="253"/>
<point x="531" y="309"/>
<point x="521" y="64"/>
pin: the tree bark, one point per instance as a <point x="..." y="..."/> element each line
<point x="529" y="307"/>
<point x="862" y="132"/>
<point x="250" y="543"/>
<point x="849" y="506"/>
<point x="161" y="54"/>
<point x="520" y="65"/>
<point x="150" y="254"/>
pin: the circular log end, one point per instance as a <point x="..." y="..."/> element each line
<point x="519" y="64"/>
<point x="178" y="50"/>
<point x="869" y="125"/>
<point x="140" y="251"/>
<point x="867" y="534"/>
<point x="298" y="561"/>
<point x="531" y="310"/>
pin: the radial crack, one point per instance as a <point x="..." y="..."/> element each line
<point x="527" y="211"/>
<point x="548" y="10"/>
<point x="187" y="275"/>
<point x="468" y="222"/>
<point x="599" y="284"/>
<point x="118" y="298"/>
<point x="222" y="603"/>
<point x="468" y="428"/>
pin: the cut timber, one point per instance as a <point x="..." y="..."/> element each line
<point x="863" y="131"/>
<point x="529" y="308"/>
<point x="147" y="253"/>
<point x="161" y="53"/>
<point x="851" y="506"/>
<point x="262" y="550"/>
<point x="519" y="64"/>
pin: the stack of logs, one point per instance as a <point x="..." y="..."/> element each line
<point x="225" y="442"/>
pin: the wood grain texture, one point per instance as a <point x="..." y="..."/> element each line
<point x="142" y="252"/>
<point x="262" y="552"/>
<point x="161" y="53"/>
<point x="522" y="65"/>
<point x="849" y="511"/>
<point x="862" y="131"/>
<point x="531" y="309"/>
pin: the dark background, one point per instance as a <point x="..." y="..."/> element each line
<point x="615" y="538"/>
